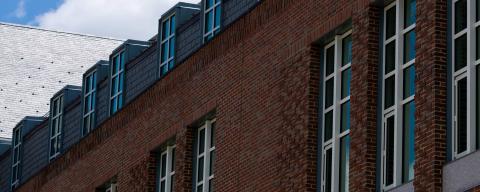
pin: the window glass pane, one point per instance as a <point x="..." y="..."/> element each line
<point x="477" y="44"/>
<point x="344" y="163"/>
<point x="461" y="115"/>
<point x="460" y="52"/>
<point x="390" y="22"/>
<point x="114" y="65"/>
<point x="201" y="141"/>
<point x="409" y="49"/>
<point x="478" y="106"/>
<point x="410" y="12"/>
<point x="346" y="78"/>
<point x="460" y="15"/>
<point x="478" y="10"/>
<point x="162" y="186"/>
<point x="200" y="169"/>
<point x="329" y="93"/>
<point x="212" y="134"/>
<point x="172" y="25"/>
<point x="345" y="121"/>
<point x="172" y="48"/>
<point x="172" y="184"/>
<point x="211" y="188"/>
<point x="328" y="127"/>
<point x="330" y="61"/>
<point x="209" y="3"/>
<point x="212" y="163"/>
<point x="165" y="48"/>
<point x="347" y="50"/>
<point x="389" y="150"/>
<point x="408" y="82"/>
<point x="122" y="60"/>
<point x="209" y="21"/>
<point x="200" y="188"/>
<point x="389" y="92"/>
<point x="218" y="15"/>
<point x="172" y="168"/>
<point x="390" y="57"/>
<point x="165" y="30"/>
<point x="328" y="170"/>
<point x="408" y="141"/>
<point x="164" y="165"/>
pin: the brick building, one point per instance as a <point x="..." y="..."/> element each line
<point x="271" y="95"/>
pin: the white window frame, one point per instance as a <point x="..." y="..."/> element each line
<point x="334" y="142"/>
<point x="89" y="114"/>
<point x="469" y="72"/>
<point x="396" y="109"/>
<point x="169" y="39"/>
<point x="169" y="172"/>
<point x="59" y="117"/>
<point x="121" y="78"/>
<point x="16" y="149"/>
<point x="206" y="156"/>
<point x="212" y="9"/>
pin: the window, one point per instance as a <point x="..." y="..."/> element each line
<point x="56" y="125"/>
<point x="116" y="84"/>
<point x="212" y="17"/>
<point x="205" y="157"/>
<point x="465" y="77"/>
<point x="112" y="188"/>
<point x="168" y="45"/>
<point x="167" y="170"/>
<point x="336" y="114"/>
<point x="89" y="90"/>
<point x="17" y="142"/>
<point x="398" y="111"/>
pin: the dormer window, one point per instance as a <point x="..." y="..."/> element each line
<point x="89" y="96"/>
<point x="116" y="84"/>
<point x="168" y="45"/>
<point x="56" y="126"/>
<point x="213" y="13"/>
<point x="17" y="142"/>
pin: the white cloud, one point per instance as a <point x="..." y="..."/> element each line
<point x="132" y="19"/>
<point x="20" y="11"/>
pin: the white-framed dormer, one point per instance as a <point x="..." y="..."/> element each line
<point x="464" y="77"/>
<point x="167" y="45"/>
<point x="56" y="126"/>
<point x="398" y="93"/>
<point x="212" y="17"/>
<point x="89" y="102"/>
<point x="336" y="114"/>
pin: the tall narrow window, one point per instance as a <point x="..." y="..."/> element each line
<point x="212" y="17"/>
<point x="205" y="157"/>
<point x="56" y="126"/>
<point x="116" y="84"/>
<point x="398" y="112"/>
<point x="168" y="45"/>
<point x="466" y="59"/>
<point x="167" y="170"/>
<point x="336" y="114"/>
<point x="17" y="142"/>
<point x="89" y="97"/>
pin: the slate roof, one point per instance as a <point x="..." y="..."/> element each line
<point x="35" y="63"/>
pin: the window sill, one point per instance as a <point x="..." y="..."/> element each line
<point x="407" y="187"/>
<point x="463" y="173"/>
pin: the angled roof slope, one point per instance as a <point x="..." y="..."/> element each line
<point x="35" y="63"/>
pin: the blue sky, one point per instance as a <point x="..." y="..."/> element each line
<point x="25" y="11"/>
<point x="120" y="19"/>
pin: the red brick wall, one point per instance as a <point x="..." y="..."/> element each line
<point x="431" y="94"/>
<point x="261" y="77"/>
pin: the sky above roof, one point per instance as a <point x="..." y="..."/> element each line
<point x="122" y="19"/>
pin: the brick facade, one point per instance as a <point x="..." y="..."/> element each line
<point x="260" y="78"/>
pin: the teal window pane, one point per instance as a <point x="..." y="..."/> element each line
<point x="389" y="92"/>
<point x="114" y="65"/>
<point x="328" y="170"/>
<point x="209" y="3"/>
<point x="390" y="22"/>
<point x="209" y="21"/>
<point x="165" y="48"/>
<point x="172" y="25"/>
<point x="345" y="115"/>
<point x="408" y="82"/>
<point x="344" y="163"/>
<point x="165" y="29"/>
<point x="410" y="12"/>
<point x="328" y="126"/>
<point x="409" y="47"/>
<point x="172" y="47"/>
<point x="461" y="111"/>
<point x="390" y="57"/>
<point x="347" y="50"/>
<point x="460" y="15"/>
<point x="346" y="79"/>
<point x="218" y="15"/>
<point x="408" y="141"/>
<point x="329" y="93"/>
<point x="330" y="61"/>
<point x="389" y="150"/>
<point x="460" y="52"/>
